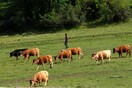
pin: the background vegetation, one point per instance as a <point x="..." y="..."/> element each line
<point x="19" y="16"/>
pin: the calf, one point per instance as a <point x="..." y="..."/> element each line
<point x="16" y="53"/>
<point x="101" y="55"/>
<point x="41" y="76"/>
<point x="64" y="54"/>
<point x="42" y="60"/>
<point x="76" y="51"/>
<point x="30" y="52"/>
<point x="123" y="49"/>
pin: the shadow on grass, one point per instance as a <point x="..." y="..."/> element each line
<point x="123" y="57"/>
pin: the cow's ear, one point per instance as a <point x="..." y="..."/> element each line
<point x="93" y="54"/>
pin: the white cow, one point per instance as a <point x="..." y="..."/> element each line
<point x="101" y="55"/>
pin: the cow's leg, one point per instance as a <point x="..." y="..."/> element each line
<point x="51" y="64"/>
<point x="82" y="55"/>
<point x="61" y="58"/>
<point x="43" y="66"/>
<point x="126" y="54"/>
<point x="71" y="58"/>
<point x="45" y="83"/>
<point x="37" y="54"/>
<point x="79" y="56"/>
<point x="96" y="62"/>
<point x="102" y="61"/>
<point x="109" y="59"/>
<point x="129" y="53"/>
<point x="17" y="58"/>
<point x="120" y="55"/>
<point x="25" y="60"/>
<point x="37" y="67"/>
<point x="25" y="57"/>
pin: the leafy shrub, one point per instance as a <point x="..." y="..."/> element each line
<point x="107" y="10"/>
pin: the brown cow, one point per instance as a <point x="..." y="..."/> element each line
<point x="42" y="60"/>
<point x="101" y="55"/>
<point x="41" y="76"/>
<point x="123" y="49"/>
<point x="76" y="51"/>
<point x="30" y="52"/>
<point x="64" y="54"/>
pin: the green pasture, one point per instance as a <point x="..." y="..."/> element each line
<point x="83" y="73"/>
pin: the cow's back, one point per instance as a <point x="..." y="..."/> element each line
<point x="125" y="48"/>
<point x="31" y="52"/>
<point x="105" y="54"/>
<point x="66" y="53"/>
<point x="75" y="51"/>
<point x="46" y="58"/>
<point x="41" y="76"/>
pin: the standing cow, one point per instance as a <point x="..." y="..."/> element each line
<point x="123" y="49"/>
<point x="64" y="54"/>
<point x="42" y="60"/>
<point x="101" y="55"/>
<point x="16" y="53"/>
<point x="76" y="51"/>
<point x="30" y="52"/>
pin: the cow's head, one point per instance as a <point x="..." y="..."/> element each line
<point x="94" y="56"/>
<point x="34" y="61"/>
<point x="21" y="53"/>
<point x="115" y="50"/>
<point x="32" y="82"/>
<point x="11" y="54"/>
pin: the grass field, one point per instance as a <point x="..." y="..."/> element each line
<point x="83" y="73"/>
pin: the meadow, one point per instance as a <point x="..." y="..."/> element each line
<point x="83" y="73"/>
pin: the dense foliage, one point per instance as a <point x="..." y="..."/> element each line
<point x="50" y="15"/>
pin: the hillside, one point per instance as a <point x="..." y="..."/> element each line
<point x="81" y="73"/>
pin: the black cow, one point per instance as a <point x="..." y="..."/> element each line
<point x="16" y="53"/>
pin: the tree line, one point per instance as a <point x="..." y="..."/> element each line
<point x="18" y="16"/>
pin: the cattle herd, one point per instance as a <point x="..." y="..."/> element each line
<point x="42" y="76"/>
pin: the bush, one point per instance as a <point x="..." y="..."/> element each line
<point x="66" y="17"/>
<point x="107" y="10"/>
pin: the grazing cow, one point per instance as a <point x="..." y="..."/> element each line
<point x="41" y="76"/>
<point x="64" y="54"/>
<point x="16" y="53"/>
<point x="76" y="51"/>
<point x="123" y="49"/>
<point x="30" y="52"/>
<point x="42" y="60"/>
<point x="101" y="55"/>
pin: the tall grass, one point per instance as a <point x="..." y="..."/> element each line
<point x="83" y="73"/>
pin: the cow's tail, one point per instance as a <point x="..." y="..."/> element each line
<point x="80" y="52"/>
<point x="37" y="52"/>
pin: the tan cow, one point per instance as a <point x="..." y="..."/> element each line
<point x="76" y="51"/>
<point x="30" y="52"/>
<point x="42" y="60"/>
<point x="41" y="76"/>
<point x="101" y="55"/>
<point x="64" y="54"/>
<point x="123" y="49"/>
